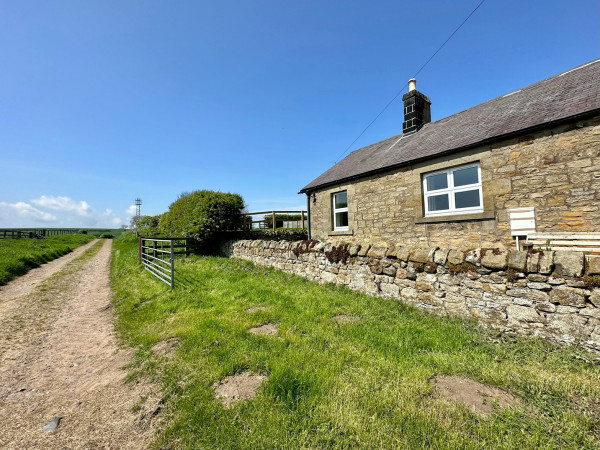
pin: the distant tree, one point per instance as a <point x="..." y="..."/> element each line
<point x="147" y="226"/>
<point x="133" y="222"/>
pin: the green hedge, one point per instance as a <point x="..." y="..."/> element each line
<point x="202" y="215"/>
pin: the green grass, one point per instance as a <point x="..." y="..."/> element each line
<point x="331" y="385"/>
<point x="17" y="256"/>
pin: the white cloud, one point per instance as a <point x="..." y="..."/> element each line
<point x="61" y="211"/>
<point x="57" y="211"/>
<point x="22" y="210"/>
<point x="63" y="204"/>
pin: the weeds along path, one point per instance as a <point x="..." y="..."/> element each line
<point x="59" y="357"/>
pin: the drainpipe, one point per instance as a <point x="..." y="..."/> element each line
<point x="308" y="211"/>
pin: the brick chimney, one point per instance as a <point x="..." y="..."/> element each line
<point x="417" y="108"/>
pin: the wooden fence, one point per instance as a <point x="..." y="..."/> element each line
<point x="17" y="233"/>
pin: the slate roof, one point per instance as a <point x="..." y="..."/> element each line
<point x="571" y="93"/>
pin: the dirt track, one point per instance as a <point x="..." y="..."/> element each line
<point x="59" y="357"/>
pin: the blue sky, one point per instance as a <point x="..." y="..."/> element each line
<point x="105" y="101"/>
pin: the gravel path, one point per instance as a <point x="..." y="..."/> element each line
<point x="59" y="357"/>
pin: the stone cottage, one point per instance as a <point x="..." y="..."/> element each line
<point x="451" y="182"/>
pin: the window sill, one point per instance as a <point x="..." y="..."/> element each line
<point x="341" y="233"/>
<point x="486" y="215"/>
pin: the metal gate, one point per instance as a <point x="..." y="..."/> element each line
<point x="157" y="256"/>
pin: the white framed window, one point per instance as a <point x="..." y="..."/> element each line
<point x="453" y="191"/>
<point x="340" y="211"/>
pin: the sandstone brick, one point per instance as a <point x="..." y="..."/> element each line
<point x="546" y="262"/>
<point x="390" y="270"/>
<point x="517" y="261"/>
<point x="539" y="286"/>
<point x="568" y="296"/>
<point x="402" y="253"/>
<point x="494" y="288"/>
<point x="593" y="265"/>
<point x="495" y="260"/>
<point x="404" y="282"/>
<point x="456" y="257"/>
<point x="430" y="299"/>
<point x="459" y="309"/>
<point x="590" y="312"/>
<point x="377" y="252"/>
<point x="522" y="301"/>
<point x="569" y="264"/>
<point x="375" y="266"/>
<point x="570" y="327"/>
<point x="532" y="294"/>
<point x="499" y="186"/>
<point x="575" y="283"/>
<point x="363" y="250"/>
<point x="546" y="307"/>
<point x="409" y="293"/>
<point x="390" y="290"/>
<point x="353" y="249"/>
<point x="523" y="314"/>
<point x="441" y="256"/>
<point x="595" y="337"/>
<point x="473" y="257"/>
<point x="595" y="298"/>
<point x="454" y="298"/>
<point x="487" y="315"/>
<point x="537" y="278"/>
<point x="449" y="279"/>
<point x="533" y="259"/>
<point x="420" y="255"/>
<point x="392" y="252"/>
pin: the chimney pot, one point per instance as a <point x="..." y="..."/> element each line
<point x="412" y="84"/>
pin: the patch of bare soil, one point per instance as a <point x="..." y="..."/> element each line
<point x="256" y="309"/>
<point x="479" y="398"/>
<point x="166" y="347"/>
<point x="240" y="387"/>
<point x="59" y="358"/>
<point x="344" y="318"/>
<point x="268" y="329"/>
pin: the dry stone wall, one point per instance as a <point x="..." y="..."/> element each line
<point x="545" y="294"/>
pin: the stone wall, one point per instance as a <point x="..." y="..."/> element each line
<point x="545" y="294"/>
<point x="557" y="171"/>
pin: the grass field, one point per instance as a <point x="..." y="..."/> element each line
<point x="17" y="256"/>
<point x="366" y="384"/>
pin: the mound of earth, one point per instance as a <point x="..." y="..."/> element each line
<point x="268" y="329"/>
<point x="240" y="387"/>
<point x="479" y="398"/>
<point x="166" y="347"/>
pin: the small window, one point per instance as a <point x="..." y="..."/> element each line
<point x="453" y="191"/>
<point x="340" y="211"/>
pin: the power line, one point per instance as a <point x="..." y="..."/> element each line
<point x="414" y="76"/>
